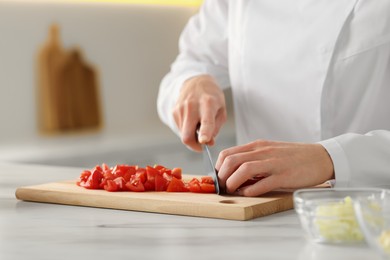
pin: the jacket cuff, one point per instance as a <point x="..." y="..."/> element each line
<point x="340" y="162"/>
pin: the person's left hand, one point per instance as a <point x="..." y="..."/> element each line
<point x="278" y="165"/>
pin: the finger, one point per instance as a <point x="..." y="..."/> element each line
<point x="232" y="151"/>
<point x="227" y="152"/>
<point x="263" y="186"/>
<point x="177" y="116"/>
<point x="207" y="124"/>
<point x="264" y="147"/>
<point x="219" y="121"/>
<point x="212" y="142"/>
<point x="247" y="171"/>
<point x="231" y="164"/>
<point x="188" y="130"/>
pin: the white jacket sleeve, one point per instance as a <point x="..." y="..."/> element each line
<point x="202" y="50"/>
<point x="361" y="160"/>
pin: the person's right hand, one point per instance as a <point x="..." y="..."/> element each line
<point x="200" y="101"/>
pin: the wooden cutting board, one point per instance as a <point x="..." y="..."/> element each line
<point x="189" y="204"/>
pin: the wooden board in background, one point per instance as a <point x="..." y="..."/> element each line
<point x="189" y="204"/>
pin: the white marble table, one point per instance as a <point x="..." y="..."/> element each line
<point x="47" y="231"/>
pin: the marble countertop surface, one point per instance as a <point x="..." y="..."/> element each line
<point x="46" y="231"/>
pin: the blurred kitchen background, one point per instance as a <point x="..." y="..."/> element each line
<point x="121" y="49"/>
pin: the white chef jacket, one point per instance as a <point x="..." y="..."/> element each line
<point x="300" y="71"/>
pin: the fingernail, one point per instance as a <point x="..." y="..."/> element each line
<point x="203" y="139"/>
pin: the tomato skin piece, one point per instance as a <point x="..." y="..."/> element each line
<point x="176" y="172"/>
<point x="121" y="183"/>
<point x="103" y="183"/>
<point x="207" y="188"/>
<point x="105" y="167"/>
<point x="194" y="186"/>
<point x="98" y="167"/>
<point x="124" y="171"/>
<point x="85" y="175"/>
<point x="129" y="172"/>
<point x="125" y="168"/>
<point x="167" y="176"/>
<point x="158" y="167"/>
<point x="150" y="178"/>
<point x="151" y="172"/>
<point x="163" y="170"/>
<point x="207" y="179"/>
<point x="141" y="175"/>
<point x="135" y="184"/>
<point x="149" y="185"/>
<point x="83" y="178"/>
<point x="160" y="183"/>
<point x="94" y="180"/>
<point x="108" y="174"/>
<point x="111" y="186"/>
<point x="176" y="185"/>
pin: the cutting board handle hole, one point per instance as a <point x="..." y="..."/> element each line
<point x="228" y="201"/>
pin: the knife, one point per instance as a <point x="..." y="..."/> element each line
<point x="208" y="163"/>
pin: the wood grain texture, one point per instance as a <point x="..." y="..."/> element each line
<point x="189" y="204"/>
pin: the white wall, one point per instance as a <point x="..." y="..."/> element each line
<point x="132" y="46"/>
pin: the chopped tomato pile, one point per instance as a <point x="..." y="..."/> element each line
<point x="138" y="179"/>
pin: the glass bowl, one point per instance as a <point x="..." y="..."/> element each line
<point x="373" y="216"/>
<point x="328" y="214"/>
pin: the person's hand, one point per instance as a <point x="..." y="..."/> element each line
<point x="200" y="101"/>
<point x="278" y="165"/>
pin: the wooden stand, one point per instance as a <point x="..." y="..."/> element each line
<point x="68" y="97"/>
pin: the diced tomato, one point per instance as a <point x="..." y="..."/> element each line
<point x="98" y="168"/>
<point x="135" y="184"/>
<point x="105" y="167"/>
<point x="121" y="183"/>
<point x="108" y="174"/>
<point x="207" y="179"/>
<point x="133" y="178"/>
<point x="149" y="185"/>
<point x="176" y="172"/>
<point x="118" y="173"/>
<point x="207" y="188"/>
<point x="103" y="183"/>
<point x="83" y="178"/>
<point x="111" y="186"/>
<point x="141" y="175"/>
<point x="166" y="171"/>
<point x="194" y="180"/>
<point x="124" y="167"/>
<point x="160" y="183"/>
<point x="129" y="172"/>
<point x="163" y="170"/>
<point x="176" y="185"/>
<point x="80" y="183"/>
<point x="194" y="186"/>
<point x="94" y="180"/>
<point x="158" y="167"/>
<point x="151" y="172"/>
<point x="150" y="178"/>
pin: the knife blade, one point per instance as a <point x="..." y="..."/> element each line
<point x="208" y="163"/>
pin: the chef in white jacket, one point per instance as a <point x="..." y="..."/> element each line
<point x="311" y="89"/>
